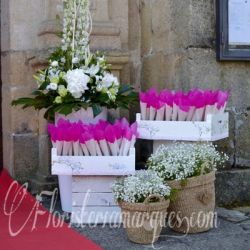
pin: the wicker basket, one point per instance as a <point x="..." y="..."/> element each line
<point x="193" y="209"/>
<point x="144" y="221"/>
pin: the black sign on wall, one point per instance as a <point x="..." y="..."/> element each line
<point x="233" y="30"/>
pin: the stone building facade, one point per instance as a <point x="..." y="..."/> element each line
<point x="165" y="43"/>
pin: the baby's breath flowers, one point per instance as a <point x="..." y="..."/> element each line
<point x="136" y="188"/>
<point x="183" y="160"/>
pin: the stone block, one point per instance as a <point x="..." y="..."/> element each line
<point x="232" y="187"/>
<point x="162" y="71"/>
<point x="25" y="156"/>
<point x="16" y="69"/>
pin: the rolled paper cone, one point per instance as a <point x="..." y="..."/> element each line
<point x="132" y="143"/>
<point x="98" y="150"/>
<point x="122" y="147"/>
<point x="91" y="147"/>
<point x="67" y="148"/>
<point x="104" y="147"/>
<point x="168" y="112"/>
<point x="190" y="113"/>
<point x="222" y="109"/>
<point x="53" y="144"/>
<point x="80" y="153"/>
<point x="147" y="113"/>
<point x="70" y="149"/>
<point x="114" y="148"/>
<point x="126" y="147"/>
<point x="76" y="148"/>
<point x="59" y="147"/>
<point x="209" y="110"/>
<point x="84" y="149"/>
<point x="182" y="115"/>
<point x="152" y="113"/>
<point x="160" y="114"/>
<point x="174" y="113"/>
<point x="198" y="114"/>
<point x="143" y="106"/>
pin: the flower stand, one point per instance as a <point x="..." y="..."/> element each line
<point x="92" y="176"/>
<point x="164" y="132"/>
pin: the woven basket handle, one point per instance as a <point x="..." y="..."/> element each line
<point x="153" y="196"/>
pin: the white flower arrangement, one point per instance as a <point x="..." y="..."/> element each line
<point x="183" y="160"/>
<point x="136" y="188"/>
<point x="85" y="76"/>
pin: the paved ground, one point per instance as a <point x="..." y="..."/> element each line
<point x="232" y="233"/>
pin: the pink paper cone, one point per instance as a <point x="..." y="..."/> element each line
<point x="98" y="150"/>
<point x="198" y="114"/>
<point x="174" y="113"/>
<point x="168" y="112"/>
<point x="210" y="110"/>
<point x="76" y="148"/>
<point x="143" y="106"/>
<point x="67" y="148"/>
<point x="114" y="148"/>
<point x="190" y="113"/>
<point x="104" y="147"/>
<point x="126" y="147"/>
<point x="152" y="113"/>
<point x="122" y="146"/>
<point x="84" y="149"/>
<point x="160" y="114"/>
<point x="59" y="147"/>
<point x="147" y="113"/>
<point x="91" y="147"/>
<point x="182" y="115"/>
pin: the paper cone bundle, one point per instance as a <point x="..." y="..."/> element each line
<point x="114" y="148"/>
<point x="152" y="113"/>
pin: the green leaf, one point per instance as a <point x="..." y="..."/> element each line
<point x="96" y="109"/>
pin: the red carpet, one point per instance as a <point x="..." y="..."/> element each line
<point x="26" y="225"/>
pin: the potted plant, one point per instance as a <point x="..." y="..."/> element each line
<point x="190" y="169"/>
<point x="76" y="79"/>
<point x="144" y="199"/>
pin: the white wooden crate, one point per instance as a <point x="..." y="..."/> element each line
<point x="93" y="201"/>
<point x="213" y="129"/>
<point x="93" y="165"/>
<point x="92" y="177"/>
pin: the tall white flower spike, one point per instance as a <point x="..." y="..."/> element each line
<point x="77" y="27"/>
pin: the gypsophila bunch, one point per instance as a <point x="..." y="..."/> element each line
<point x="76" y="78"/>
<point x="183" y="160"/>
<point x="138" y="187"/>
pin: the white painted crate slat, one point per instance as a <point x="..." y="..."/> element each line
<point x="96" y="215"/>
<point x="93" y="199"/>
<point x="93" y="165"/>
<point x="96" y="184"/>
<point x="213" y="129"/>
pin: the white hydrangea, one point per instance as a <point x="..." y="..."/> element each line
<point x="183" y="160"/>
<point x="138" y="187"/>
<point x="77" y="82"/>
<point x="108" y="80"/>
<point x="52" y="86"/>
<point x="54" y="64"/>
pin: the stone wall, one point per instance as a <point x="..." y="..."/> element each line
<point x="165" y="43"/>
